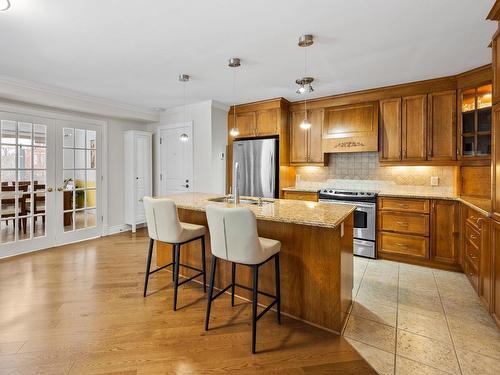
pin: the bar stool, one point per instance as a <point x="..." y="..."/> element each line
<point x="234" y="238"/>
<point x="164" y="225"/>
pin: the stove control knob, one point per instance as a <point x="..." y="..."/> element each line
<point x="362" y="193"/>
<point x="331" y="191"/>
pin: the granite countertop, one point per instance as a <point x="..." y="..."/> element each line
<point x="480" y="204"/>
<point x="281" y="210"/>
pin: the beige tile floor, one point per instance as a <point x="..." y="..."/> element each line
<point x="415" y="320"/>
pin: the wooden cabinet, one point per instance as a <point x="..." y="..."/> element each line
<point x="495" y="246"/>
<point x="306" y="147"/>
<point x="496" y="163"/>
<point x="245" y="122"/>
<point x="442" y="133"/>
<point x="477" y="255"/>
<point x="390" y="129"/>
<point x="351" y="128"/>
<point x="419" y="231"/>
<point x="445" y="230"/>
<point x="301" y="195"/>
<point x="418" y="128"/>
<point x="403" y="228"/>
<point x="267" y="122"/>
<point x="414" y="128"/>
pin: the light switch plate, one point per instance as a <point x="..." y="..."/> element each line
<point x="434" y="181"/>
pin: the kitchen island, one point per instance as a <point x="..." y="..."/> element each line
<point x="315" y="259"/>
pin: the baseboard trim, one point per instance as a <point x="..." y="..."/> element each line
<point x="108" y="231"/>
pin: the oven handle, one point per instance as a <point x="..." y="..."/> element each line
<point x="357" y="204"/>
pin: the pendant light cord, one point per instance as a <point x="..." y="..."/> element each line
<point x="234" y="98"/>
<point x="305" y="75"/>
<point x="184" y="98"/>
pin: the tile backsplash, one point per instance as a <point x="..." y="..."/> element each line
<point x="366" y="166"/>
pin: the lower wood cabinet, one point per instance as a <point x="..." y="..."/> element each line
<point x="445" y="231"/>
<point x="477" y="258"/>
<point x="495" y="246"/>
<point x="301" y="195"/>
<point x="419" y="230"/>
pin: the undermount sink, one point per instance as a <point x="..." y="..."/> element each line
<point x="242" y="200"/>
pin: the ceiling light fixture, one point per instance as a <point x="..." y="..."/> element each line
<point x="304" y="83"/>
<point x="4" y="5"/>
<point x="234" y="62"/>
<point x="184" y="78"/>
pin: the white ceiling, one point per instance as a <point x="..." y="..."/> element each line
<point x="132" y="51"/>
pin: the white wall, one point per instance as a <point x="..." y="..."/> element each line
<point x="209" y="139"/>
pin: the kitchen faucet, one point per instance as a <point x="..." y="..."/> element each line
<point x="236" y="185"/>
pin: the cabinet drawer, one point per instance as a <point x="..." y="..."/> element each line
<point x="472" y="274"/>
<point x="472" y="253"/>
<point x="474" y="218"/>
<point x="403" y="244"/>
<point x="472" y="234"/>
<point x="301" y="195"/>
<point x="404" y="222"/>
<point x="406" y="205"/>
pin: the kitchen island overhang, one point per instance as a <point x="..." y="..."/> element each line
<point x="316" y="257"/>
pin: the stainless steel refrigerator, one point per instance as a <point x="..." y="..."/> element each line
<point x="258" y="167"/>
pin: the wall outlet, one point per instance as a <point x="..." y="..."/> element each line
<point x="434" y="181"/>
<point x="221" y="156"/>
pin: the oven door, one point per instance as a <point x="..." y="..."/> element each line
<point x="364" y="218"/>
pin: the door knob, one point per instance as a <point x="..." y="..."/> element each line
<point x="60" y="189"/>
<point x="50" y="190"/>
<point x="186" y="186"/>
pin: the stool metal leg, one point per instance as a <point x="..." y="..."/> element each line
<point x="173" y="261"/>
<point x="254" y="304"/>
<point x="233" y="282"/>
<point x="203" y="264"/>
<point x="278" y="292"/>
<point x="210" y="290"/>
<point x="148" y="265"/>
<point x="176" y="273"/>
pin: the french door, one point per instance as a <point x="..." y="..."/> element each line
<point x="50" y="189"/>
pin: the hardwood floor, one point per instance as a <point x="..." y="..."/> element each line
<point x="78" y="309"/>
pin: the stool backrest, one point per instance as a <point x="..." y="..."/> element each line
<point x="162" y="219"/>
<point x="233" y="234"/>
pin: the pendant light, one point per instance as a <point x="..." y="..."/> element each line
<point x="234" y="62"/>
<point x="304" y="83"/>
<point x="184" y="78"/>
<point x="4" y="5"/>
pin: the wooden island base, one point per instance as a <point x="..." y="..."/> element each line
<point x="316" y="268"/>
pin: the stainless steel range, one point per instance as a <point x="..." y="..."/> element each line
<point x="364" y="217"/>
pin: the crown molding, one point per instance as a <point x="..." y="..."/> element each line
<point x="55" y="97"/>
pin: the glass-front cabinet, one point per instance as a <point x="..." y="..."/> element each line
<point x="475" y="122"/>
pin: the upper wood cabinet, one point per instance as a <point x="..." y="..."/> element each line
<point x="390" y="129"/>
<point x="445" y="230"/>
<point x="442" y="136"/>
<point x="496" y="164"/>
<point x="305" y="147"/>
<point x="245" y="122"/>
<point x="267" y="122"/>
<point x="418" y="128"/>
<point x="351" y="128"/>
<point x="414" y="127"/>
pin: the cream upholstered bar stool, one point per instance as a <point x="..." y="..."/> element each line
<point x="164" y="225"/>
<point x="234" y="238"/>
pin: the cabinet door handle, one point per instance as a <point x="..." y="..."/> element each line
<point x="401" y="245"/>
<point x="473" y="237"/>
<point x="402" y="223"/>
<point x="403" y="205"/>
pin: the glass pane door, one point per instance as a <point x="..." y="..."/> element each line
<point x="26" y="172"/>
<point x="78" y="181"/>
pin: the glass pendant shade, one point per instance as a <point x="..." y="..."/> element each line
<point x="305" y="124"/>
<point x="234" y="132"/>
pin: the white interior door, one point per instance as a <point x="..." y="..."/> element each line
<point x="78" y="181"/>
<point x="176" y="155"/>
<point x="27" y="218"/>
